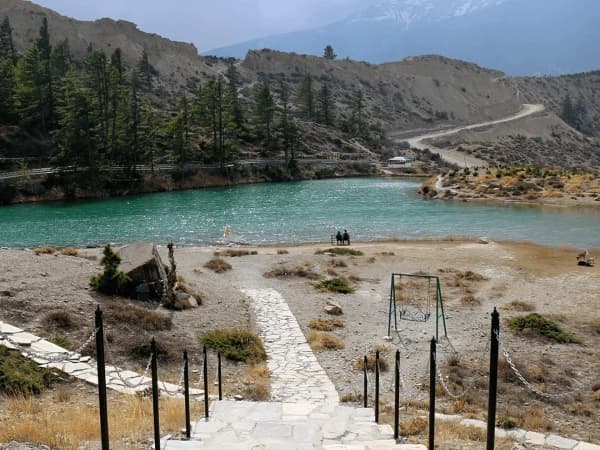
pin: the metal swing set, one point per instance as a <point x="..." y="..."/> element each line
<point x="411" y="299"/>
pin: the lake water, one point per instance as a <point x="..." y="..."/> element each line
<point x="370" y="208"/>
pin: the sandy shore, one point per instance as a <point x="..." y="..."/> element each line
<point x="546" y="279"/>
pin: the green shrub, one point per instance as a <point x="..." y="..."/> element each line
<point x="339" y="285"/>
<point x="508" y="423"/>
<point x="236" y="344"/>
<point x="341" y="251"/>
<point x="19" y="375"/>
<point x="111" y="281"/>
<point x="543" y="327"/>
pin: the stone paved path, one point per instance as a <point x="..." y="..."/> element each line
<point x="51" y="355"/>
<point x="296" y="375"/>
<point x="277" y="426"/>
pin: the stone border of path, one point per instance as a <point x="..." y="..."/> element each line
<point x="81" y="367"/>
<point x="296" y="375"/>
<point x="523" y="436"/>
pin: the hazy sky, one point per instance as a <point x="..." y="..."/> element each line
<point x="210" y="23"/>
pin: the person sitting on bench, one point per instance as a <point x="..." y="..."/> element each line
<point x="338" y="237"/>
<point x="346" y="238"/>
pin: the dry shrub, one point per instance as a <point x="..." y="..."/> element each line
<point x="449" y="431"/>
<point x="217" y="265"/>
<point x="332" y="273"/>
<point x="298" y="271"/>
<point x="75" y="426"/>
<point x="69" y="251"/>
<point x="387" y="254"/>
<point x="45" y="250"/>
<point x="469" y="300"/>
<point x="414" y="426"/>
<point x="338" y="285"/>
<point x="257" y="384"/>
<point x="282" y="251"/>
<point x="384" y="353"/>
<point x="319" y="340"/>
<point x="338" y="263"/>
<point x="351" y="398"/>
<point x="536" y="418"/>
<point x="340" y="251"/>
<point x="168" y="348"/>
<point x="235" y="253"/>
<point x="518" y="305"/>
<point x="60" y="319"/>
<point x="137" y="316"/>
<point x="322" y="324"/>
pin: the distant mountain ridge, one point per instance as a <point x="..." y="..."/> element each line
<point x="532" y="37"/>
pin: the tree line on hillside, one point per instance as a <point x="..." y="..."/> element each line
<point x="97" y="112"/>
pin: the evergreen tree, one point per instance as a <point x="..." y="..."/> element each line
<point x="28" y="92"/>
<point x="144" y="70"/>
<point x="131" y="150"/>
<point x="96" y="71"/>
<point x="328" y="53"/>
<point x="357" y="125"/>
<point x="234" y="108"/>
<point x="217" y="122"/>
<point x="285" y="125"/>
<point x="264" y="111"/>
<point x="148" y="131"/>
<point x="7" y="45"/>
<point x="326" y="106"/>
<point x="305" y="98"/>
<point x="118" y="93"/>
<point x="179" y="132"/>
<point x="7" y="82"/>
<point x="46" y="81"/>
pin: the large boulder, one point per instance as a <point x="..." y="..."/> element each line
<point x="144" y="267"/>
<point x="333" y="308"/>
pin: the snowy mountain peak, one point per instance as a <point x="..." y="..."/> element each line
<point x="408" y="12"/>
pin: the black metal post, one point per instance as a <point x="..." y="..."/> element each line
<point x="491" y="425"/>
<point x="186" y="394"/>
<point x="101" y="379"/>
<point x="155" y="395"/>
<point x="365" y="385"/>
<point x="219" y="376"/>
<point x="432" y="372"/>
<point x="397" y="397"/>
<point x="205" y="374"/>
<point x="377" y="386"/>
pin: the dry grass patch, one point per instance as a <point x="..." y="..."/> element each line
<point x="217" y="265"/>
<point x="71" y="426"/>
<point x="256" y="385"/>
<point x="414" y="426"/>
<point x="63" y="320"/>
<point x="321" y="324"/>
<point x="469" y="300"/>
<point x="136" y="316"/>
<point x="338" y="263"/>
<point x="235" y="253"/>
<point x="518" y="305"/>
<point x="69" y="251"/>
<point x="320" y="340"/>
<point x="384" y="353"/>
<point x="282" y="251"/>
<point x="45" y="250"/>
<point x="295" y="272"/>
<point x="340" y="251"/>
<point x="351" y="398"/>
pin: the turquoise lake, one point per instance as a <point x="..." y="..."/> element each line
<point x="310" y="211"/>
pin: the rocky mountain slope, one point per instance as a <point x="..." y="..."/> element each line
<point x="532" y="37"/>
<point x="401" y="99"/>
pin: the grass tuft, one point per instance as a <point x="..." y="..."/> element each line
<point x="543" y="327"/>
<point x="321" y="324"/>
<point x="60" y="319"/>
<point x="340" y="251"/>
<point x="45" y="250"/>
<point x="236" y="344"/>
<point x="19" y="375"/>
<point x="217" y="265"/>
<point x="517" y="305"/>
<point x="282" y="251"/>
<point x="137" y="316"/>
<point x="235" y="253"/>
<point x="69" y="251"/>
<point x="286" y="272"/>
<point x="339" y="285"/>
<point x="319" y="340"/>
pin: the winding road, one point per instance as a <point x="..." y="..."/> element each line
<point x="462" y="159"/>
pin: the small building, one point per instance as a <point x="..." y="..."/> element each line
<point x="398" y="162"/>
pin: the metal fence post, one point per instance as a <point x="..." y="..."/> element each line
<point x="491" y="425"/>
<point x="205" y="375"/>
<point x="365" y="385"/>
<point x="219" y="376"/>
<point x="155" y="395"/>
<point x="186" y="394"/>
<point x="432" y="372"/>
<point x="397" y="397"/>
<point x="377" y="386"/>
<point x="101" y="379"/>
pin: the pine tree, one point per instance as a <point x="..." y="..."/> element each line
<point x="179" y="132"/>
<point x="326" y="107"/>
<point x="285" y="125"/>
<point x="357" y="118"/>
<point x="328" y="53"/>
<point x="46" y="81"/>
<point x="7" y="82"/>
<point x="7" y="45"/>
<point x="264" y="111"/>
<point x="305" y="98"/>
<point x="117" y="95"/>
<point x="144" y="70"/>
<point x="234" y="108"/>
<point x="96" y="71"/>
<point x="28" y="92"/>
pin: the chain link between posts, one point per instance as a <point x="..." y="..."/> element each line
<point x="530" y="386"/>
<point x="443" y="382"/>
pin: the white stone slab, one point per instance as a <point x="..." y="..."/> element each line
<point x="560" y="442"/>
<point x="534" y="438"/>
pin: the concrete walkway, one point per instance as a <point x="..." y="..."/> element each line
<point x="50" y="355"/>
